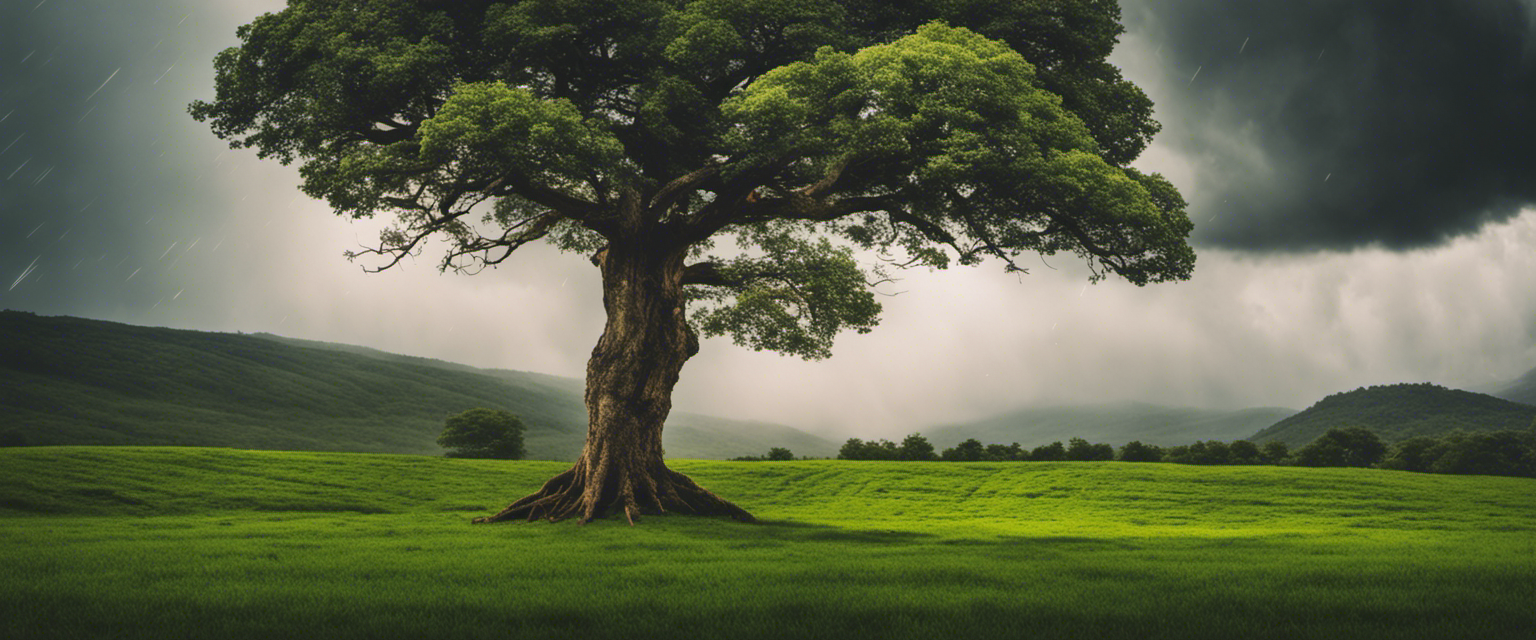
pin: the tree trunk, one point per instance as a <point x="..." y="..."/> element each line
<point x="629" y="394"/>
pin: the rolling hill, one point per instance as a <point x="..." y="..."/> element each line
<point x="1400" y="411"/>
<point x="1116" y="424"/>
<point x="75" y="381"/>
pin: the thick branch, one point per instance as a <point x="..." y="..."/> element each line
<point x="681" y="187"/>
<point x="798" y="206"/>
<point x="567" y="205"/>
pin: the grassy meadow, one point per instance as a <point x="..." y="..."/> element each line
<point x="219" y="543"/>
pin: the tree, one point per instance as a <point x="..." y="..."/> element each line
<point x="1275" y="452"/>
<point x="916" y="447"/>
<point x="780" y="453"/>
<point x="970" y="450"/>
<point x="1049" y="452"/>
<point x="853" y="449"/>
<point x="483" y="433"/>
<point x="1135" y="451"/>
<point x="736" y="157"/>
<point x="1343" y="447"/>
<point x="1244" y="452"/>
<point x="1414" y="454"/>
<point x="1004" y="452"/>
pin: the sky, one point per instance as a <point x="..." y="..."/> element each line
<point x="1360" y="174"/>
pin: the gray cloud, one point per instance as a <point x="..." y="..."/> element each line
<point x="1325" y="124"/>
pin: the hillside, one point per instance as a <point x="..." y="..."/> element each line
<point x="1116" y="424"/>
<point x="75" y="381"/>
<point x="1400" y="411"/>
<point x="1522" y="390"/>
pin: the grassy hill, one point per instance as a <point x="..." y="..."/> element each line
<point x="1116" y="424"/>
<point x="1400" y="411"/>
<point x="130" y="542"/>
<point x="75" y="381"/>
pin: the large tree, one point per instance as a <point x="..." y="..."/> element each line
<point x="725" y="163"/>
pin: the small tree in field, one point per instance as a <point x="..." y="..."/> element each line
<point x="780" y="453"/>
<point x="725" y="166"/>
<point x="483" y="433"/>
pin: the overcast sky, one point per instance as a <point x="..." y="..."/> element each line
<point x="1360" y="175"/>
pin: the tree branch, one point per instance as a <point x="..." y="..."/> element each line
<point x="514" y="238"/>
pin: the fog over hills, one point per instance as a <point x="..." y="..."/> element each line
<point x="74" y="381"/>
<point x="1115" y="424"/>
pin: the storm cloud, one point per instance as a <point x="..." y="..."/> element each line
<point x="1324" y="124"/>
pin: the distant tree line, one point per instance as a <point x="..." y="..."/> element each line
<point x="774" y="454"/>
<point x="1503" y="453"/>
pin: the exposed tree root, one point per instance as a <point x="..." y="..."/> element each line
<point x="587" y="496"/>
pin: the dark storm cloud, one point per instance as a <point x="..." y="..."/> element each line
<point x="1336" y="124"/>
<point x="99" y="176"/>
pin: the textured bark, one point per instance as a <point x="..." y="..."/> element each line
<point x="629" y="394"/>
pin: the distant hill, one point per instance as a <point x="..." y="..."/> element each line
<point x="74" y="381"/>
<point x="1400" y="411"/>
<point x="1522" y="390"/>
<point x="1115" y="424"/>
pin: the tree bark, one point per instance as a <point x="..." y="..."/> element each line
<point x="629" y="394"/>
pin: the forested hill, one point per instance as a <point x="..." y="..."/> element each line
<point x="1401" y="411"/>
<point x="74" y="381"/>
<point x="1115" y="424"/>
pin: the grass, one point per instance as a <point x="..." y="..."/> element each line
<point x="172" y="542"/>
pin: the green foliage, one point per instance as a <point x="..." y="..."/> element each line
<point x="967" y="451"/>
<point x="913" y="447"/>
<point x="483" y="433"/>
<point x="1135" y="451"/>
<point x="780" y="453"/>
<point x="916" y="447"/>
<point x="1081" y="450"/>
<point x="1275" y="452"/>
<point x="1048" y="452"/>
<point x="793" y="300"/>
<point x="1398" y="412"/>
<point x="929" y="131"/>
<point x="1244" y="452"/>
<point x="1500" y="453"/>
<point x="141" y="543"/>
<point x="1343" y="447"/>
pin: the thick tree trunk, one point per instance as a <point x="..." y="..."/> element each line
<point x="629" y="394"/>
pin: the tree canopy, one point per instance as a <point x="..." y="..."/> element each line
<point x="772" y="141"/>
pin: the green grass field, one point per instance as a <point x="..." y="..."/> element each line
<point x="214" y="543"/>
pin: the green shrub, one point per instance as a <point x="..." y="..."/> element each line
<point x="483" y="433"/>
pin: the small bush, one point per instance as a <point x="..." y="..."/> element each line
<point x="483" y="433"/>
